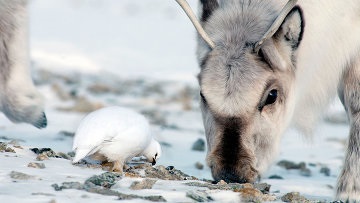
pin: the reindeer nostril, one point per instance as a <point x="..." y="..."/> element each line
<point x="230" y="176"/>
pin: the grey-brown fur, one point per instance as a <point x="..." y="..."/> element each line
<point x="302" y="64"/>
<point x="349" y="93"/>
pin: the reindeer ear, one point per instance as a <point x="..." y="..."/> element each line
<point x="279" y="50"/>
<point x="208" y="6"/>
<point x="291" y="30"/>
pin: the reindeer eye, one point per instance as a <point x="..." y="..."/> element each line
<point x="271" y="98"/>
<point x="202" y="97"/>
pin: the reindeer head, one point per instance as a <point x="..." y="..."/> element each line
<point x="247" y="60"/>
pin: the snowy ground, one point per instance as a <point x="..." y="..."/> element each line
<point x="139" y="54"/>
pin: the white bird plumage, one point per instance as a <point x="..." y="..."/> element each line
<point x="115" y="134"/>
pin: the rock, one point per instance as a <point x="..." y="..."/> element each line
<point x="305" y="172"/>
<point x="291" y="165"/>
<point x="52" y="201"/>
<point x="36" y="165"/>
<point x="251" y="195"/>
<point x="293" y="197"/>
<point x="82" y="105"/>
<point x="18" y="146"/>
<point x="199" y="145"/>
<point x="5" y="148"/>
<point x="61" y="93"/>
<point x="199" y="196"/>
<point x="325" y="170"/>
<point x="263" y="187"/>
<point x="66" y="133"/>
<point x="45" y="151"/>
<point x="21" y="176"/>
<point x="221" y="182"/>
<point x="106" y="179"/>
<point x="68" y="185"/>
<point x="71" y="154"/>
<point x="168" y="173"/>
<point x="42" y="157"/>
<point x="144" y="184"/>
<point x="99" y="89"/>
<point x="199" y="165"/>
<point x="275" y="177"/>
<point x="63" y="155"/>
<point x="42" y="194"/>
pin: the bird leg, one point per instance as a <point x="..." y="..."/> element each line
<point x="117" y="167"/>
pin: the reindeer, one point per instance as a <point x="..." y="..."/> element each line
<point x="266" y="66"/>
<point x="19" y="99"/>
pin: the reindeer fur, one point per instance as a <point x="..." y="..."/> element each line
<point x="19" y="100"/>
<point x="314" y="54"/>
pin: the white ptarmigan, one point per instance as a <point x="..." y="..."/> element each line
<point x="115" y="134"/>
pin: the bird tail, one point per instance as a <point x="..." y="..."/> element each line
<point x="80" y="154"/>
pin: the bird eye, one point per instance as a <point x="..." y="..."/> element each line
<point x="272" y="96"/>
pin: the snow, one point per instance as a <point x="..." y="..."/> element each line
<point x="151" y="41"/>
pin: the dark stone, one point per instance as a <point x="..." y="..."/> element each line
<point x="293" y="197"/>
<point x="199" y="165"/>
<point x="275" y="177"/>
<point x="199" y="196"/>
<point x="106" y="179"/>
<point x="199" y="145"/>
<point x="46" y="151"/>
<point x="325" y="170"/>
<point x="263" y="187"/>
<point x="67" y="134"/>
<point x="291" y="165"/>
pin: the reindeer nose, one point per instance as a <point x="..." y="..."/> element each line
<point x="230" y="176"/>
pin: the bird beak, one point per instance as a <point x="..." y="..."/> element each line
<point x="153" y="162"/>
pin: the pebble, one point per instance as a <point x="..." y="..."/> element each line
<point x="21" y="176"/>
<point x="68" y="185"/>
<point x="5" y="148"/>
<point x="293" y="197"/>
<point x="36" y="165"/>
<point x="325" y="170"/>
<point x="66" y="133"/>
<point x="199" y="145"/>
<point x="199" y="196"/>
<point x="291" y="165"/>
<point x="45" y="151"/>
<point x="42" y="157"/>
<point x="168" y="173"/>
<point x="82" y="105"/>
<point x="305" y="172"/>
<point x="106" y="179"/>
<point x="275" y="177"/>
<point x="144" y="184"/>
<point x="250" y="195"/>
<point x="199" y="165"/>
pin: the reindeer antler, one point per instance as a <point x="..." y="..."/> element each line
<point x="185" y="6"/>
<point x="276" y="24"/>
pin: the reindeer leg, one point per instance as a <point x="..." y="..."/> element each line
<point x="348" y="186"/>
